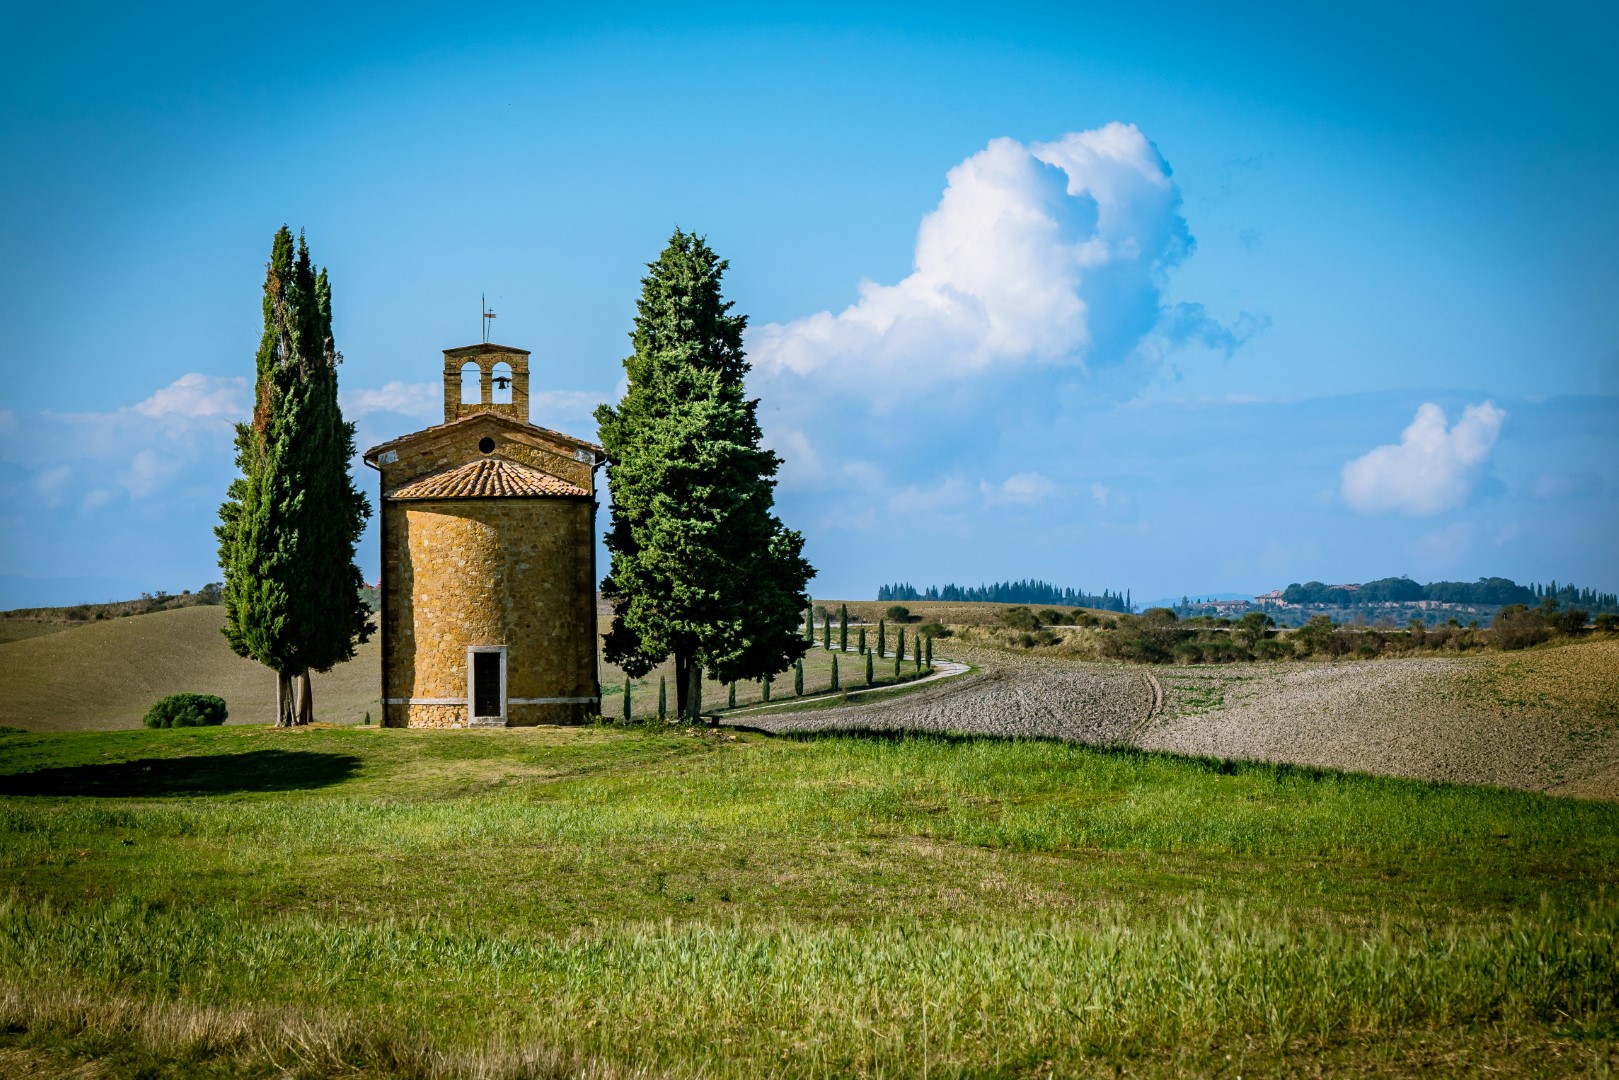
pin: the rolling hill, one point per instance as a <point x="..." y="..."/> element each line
<point x="107" y="674"/>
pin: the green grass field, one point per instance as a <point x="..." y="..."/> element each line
<point x="345" y="901"/>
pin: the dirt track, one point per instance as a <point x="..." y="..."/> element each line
<point x="1429" y="718"/>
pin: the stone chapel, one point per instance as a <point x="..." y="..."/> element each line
<point x="488" y="529"/>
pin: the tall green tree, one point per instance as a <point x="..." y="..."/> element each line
<point x="291" y="520"/>
<point x="702" y="569"/>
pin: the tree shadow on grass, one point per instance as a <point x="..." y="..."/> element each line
<point x="204" y="774"/>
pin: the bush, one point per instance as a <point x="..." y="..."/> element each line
<point x="933" y="630"/>
<point x="186" y="710"/>
<point x="899" y="613"/>
<point x="1572" y="621"/>
<point x="1146" y="638"/>
<point x="1273" y="649"/>
<point x="1019" y="618"/>
<point x="1518" y="627"/>
<point x="1315" y="636"/>
<point x="1607" y="623"/>
<point x="1053" y="617"/>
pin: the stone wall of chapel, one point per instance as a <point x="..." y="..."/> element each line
<point x="488" y="571"/>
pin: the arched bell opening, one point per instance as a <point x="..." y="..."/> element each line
<point x="501" y="380"/>
<point x="471" y="384"/>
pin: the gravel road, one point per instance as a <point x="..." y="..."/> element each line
<point x="1416" y="717"/>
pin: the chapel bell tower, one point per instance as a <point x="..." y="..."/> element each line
<point x="499" y="371"/>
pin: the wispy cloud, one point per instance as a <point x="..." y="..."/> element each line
<point x="420" y="400"/>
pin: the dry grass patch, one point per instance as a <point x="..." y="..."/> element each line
<point x="1577" y="680"/>
<point x="107" y="674"/>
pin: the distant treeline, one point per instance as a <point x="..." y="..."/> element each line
<point x="1010" y="592"/>
<point x="1497" y="591"/>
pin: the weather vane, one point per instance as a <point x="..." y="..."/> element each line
<point x="483" y="303"/>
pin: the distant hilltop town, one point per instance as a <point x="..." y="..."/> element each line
<point x="1399" y="600"/>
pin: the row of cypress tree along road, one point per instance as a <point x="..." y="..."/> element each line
<point x="702" y="568"/>
<point x="292" y="517"/>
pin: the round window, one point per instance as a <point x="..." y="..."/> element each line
<point x="487" y="445"/>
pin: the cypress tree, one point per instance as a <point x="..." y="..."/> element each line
<point x="862" y="639"/>
<point x="897" y="659"/>
<point x="702" y="569"/>
<point x="868" y="669"/>
<point x="798" y="678"/>
<point x="626" y="699"/>
<point x="843" y="627"/>
<point x="826" y="634"/>
<point x="663" y="697"/>
<point x="809" y="624"/>
<point x="930" y="652"/>
<point x="291" y="520"/>
<point x="882" y="646"/>
<point x="834" y="671"/>
<point x="899" y="650"/>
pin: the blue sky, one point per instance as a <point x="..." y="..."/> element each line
<point x="1166" y="297"/>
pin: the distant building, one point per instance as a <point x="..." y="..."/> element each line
<point x="488" y="587"/>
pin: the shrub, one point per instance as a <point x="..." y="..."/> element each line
<point x="1146" y="638"/>
<point x="1053" y="617"/>
<point x="1517" y="627"/>
<point x="933" y="630"/>
<point x="1188" y="652"/>
<point x="186" y="710"/>
<point x="1572" y="621"/>
<point x="1019" y="618"/>
<point x="1607" y="623"/>
<point x="1314" y="636"/>
<point x="899" y="613"/>
<point x="1273" y="649"/>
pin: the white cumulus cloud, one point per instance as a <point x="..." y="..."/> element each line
<point x="1431" y="469"/>
<point x="1037" y="254"/>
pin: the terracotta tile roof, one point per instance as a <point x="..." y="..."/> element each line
<point x="490" y="477"/>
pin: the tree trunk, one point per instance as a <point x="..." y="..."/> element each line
<point x="696" y="695"/>
<point x="306" y="699"/>
<point x="682" y="682"/>
<point x="284" y="701"/>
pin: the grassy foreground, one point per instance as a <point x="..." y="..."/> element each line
<point x="244" y="901"/>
